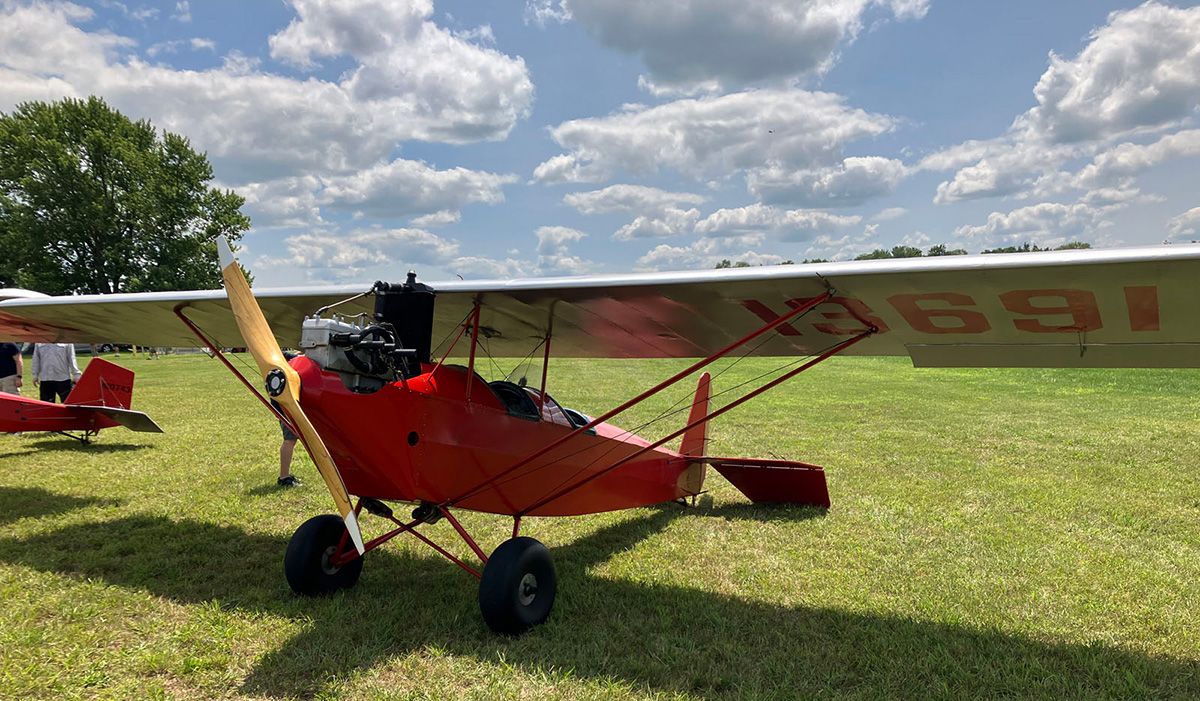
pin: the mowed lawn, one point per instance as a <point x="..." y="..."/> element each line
<point x="994" y="534"/>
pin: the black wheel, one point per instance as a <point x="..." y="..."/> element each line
<point x="306" y="563"/>
<point x="518" y="586"/>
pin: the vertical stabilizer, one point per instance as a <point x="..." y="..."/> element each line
<point x="695" y="441"/>
<point x="103" y="384"/>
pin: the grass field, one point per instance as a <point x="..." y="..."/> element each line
<point x="994" y="534"/>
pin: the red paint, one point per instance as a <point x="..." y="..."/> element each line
<point x="764" y="312"/>
<point x="922" y="318"/>
<point x="103" y="384"/>
<point x="1142" y="304"/>
<point x="1079" y="304"/>
<point x="852" y="309"/>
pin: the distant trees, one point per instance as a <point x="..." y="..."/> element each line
<point x="910" y="252"/>
<point x="1030" y="248"/>
<point x="93" y="202"/>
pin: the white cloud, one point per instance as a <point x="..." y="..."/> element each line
<point x="787" y="129"/>
<point x="183" y="12"/>
<point x="403" y="188"/>
<point x="658" y="213"/>
<point x="852" y="182"/>
<point x="631" y="199"/>
<point x="554" y="256"/>
<point x="671" y="221"/>
<point x="1139" y="73"/>
<point x="688" y="42"/>
<point x="1184" y="226"/>
<point x="411" y="80"/>
<point x="846" y="246"/>
<point x="327" y="256"/>
<point x="889" y="214"/>
<point x="785" y="225"/>
<point x="706" y="253"/>
<point x="283" y="202"/>
<point x="1140" y="70"/>
<point x="174" y="45"/>
<point x="440" y="218"/>
<point x="1044" y="224"/>
<point x="542" y="12"/>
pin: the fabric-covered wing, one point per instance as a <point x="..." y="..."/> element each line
<point x="1111" y="308"/>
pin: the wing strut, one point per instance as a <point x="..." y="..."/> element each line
<point x="799" y="310"/>
<point x="829" y="353"/>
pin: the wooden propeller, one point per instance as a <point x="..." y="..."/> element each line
<point x="282" y="382"/>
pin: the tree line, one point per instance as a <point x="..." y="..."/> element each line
<point x="914" y="252"/>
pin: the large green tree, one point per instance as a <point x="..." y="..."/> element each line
<point x="94" y="202"/>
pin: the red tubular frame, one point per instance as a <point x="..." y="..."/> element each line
<point x="737" y="402"/>
<point x="803" y="308"/>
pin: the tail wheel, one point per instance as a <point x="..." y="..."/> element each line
<point x="518" y="586"/>
<point x="307" y="563"/>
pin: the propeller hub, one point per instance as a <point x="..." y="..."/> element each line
<point x="276" y="382"/>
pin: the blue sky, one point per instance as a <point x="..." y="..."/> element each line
<point x="552" y="137"/>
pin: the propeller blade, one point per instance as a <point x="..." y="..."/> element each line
<point x="283" y="384"/>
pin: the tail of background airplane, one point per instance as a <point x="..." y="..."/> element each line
<point x="695" y="441"/>
<point x="761" y="480"/>
<point x="103" y="384"/>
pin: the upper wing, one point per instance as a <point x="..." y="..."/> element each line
<point x="1108" y="308"/>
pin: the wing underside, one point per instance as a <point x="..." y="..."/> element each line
<point x="1112" y="308"/>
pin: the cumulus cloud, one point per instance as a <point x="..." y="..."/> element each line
<point x="786" y="129"/>
<point x="629" y="199"/>
<point x="785" y="225"/>
<point x="411" y="80"/>
<point x="439" y="218"/>
<point x="402" y="188"/>
<point x="1184" y="226"/>
<point x="716" y="43"/>
<point x="1139" y="73"/>
<point x="330" y="256"/>
<point x="1044" y="224"/>
<point x="706" y="253"/>
<point x="852" y="182"/>
<point x="658" y="213"/>
<point x="554" y="256"/>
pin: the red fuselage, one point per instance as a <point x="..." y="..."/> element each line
<point x="423" y="440"/>
<point x="19" y="414"/>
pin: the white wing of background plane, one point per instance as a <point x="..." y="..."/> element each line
<point x="1134" y="307"/>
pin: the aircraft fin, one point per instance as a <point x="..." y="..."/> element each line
<point x="103" y="384"/>
<point x="695" y="440"/>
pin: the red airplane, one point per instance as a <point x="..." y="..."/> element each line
<point x="386" y="422"/>
<point x="99" y="400"/>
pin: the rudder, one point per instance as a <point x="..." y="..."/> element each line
<point x="103" y="384"/>
<point x="695" y="440"/>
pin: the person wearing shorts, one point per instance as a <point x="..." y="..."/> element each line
<point x="286" y="449"/>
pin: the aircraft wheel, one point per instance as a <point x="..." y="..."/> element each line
<point x="518" y="585"/>
<point x="306" y="563"/>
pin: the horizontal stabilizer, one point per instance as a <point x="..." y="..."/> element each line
<point x="130" y="419"/>
<point x="775" y="481"/>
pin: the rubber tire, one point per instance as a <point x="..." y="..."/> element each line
<point x="302" y="563"/>
<point x="501" y="584"/>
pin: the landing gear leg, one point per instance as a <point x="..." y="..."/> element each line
<point x="516" y="591"/>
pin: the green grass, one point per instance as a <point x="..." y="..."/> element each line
<point x="994" y="534"/>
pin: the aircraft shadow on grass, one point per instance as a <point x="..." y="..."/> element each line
<point x="44" y="444"/>
<point x="34" y="502"/>
<point x="656" y="637"/>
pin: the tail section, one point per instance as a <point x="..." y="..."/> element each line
<point x="695" y="440"/>
<point x="103" y="384"/>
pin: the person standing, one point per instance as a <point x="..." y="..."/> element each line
<point x="54" y="370"/>
<point x="10" y="368"/>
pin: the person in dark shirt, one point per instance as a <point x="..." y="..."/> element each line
<point x="11" y="368"/>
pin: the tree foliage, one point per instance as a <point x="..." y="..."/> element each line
<point x="1031" y="248"/>
<point x="94" y="202"/>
